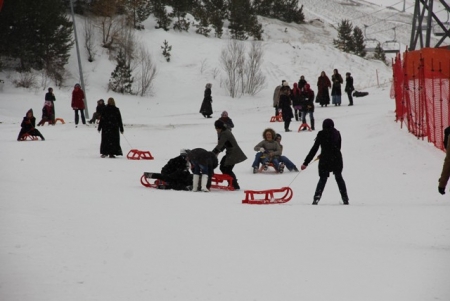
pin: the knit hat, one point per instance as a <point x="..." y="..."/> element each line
<point x="277" y="136"/>
<point x="219" y="124"/>
<point x="184" y="152"/>
<point x="224" y="114"/>
<point x="77" y="85"/>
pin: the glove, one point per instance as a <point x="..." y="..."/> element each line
<point x="262" y="150"/>
<point x="303" y="167"/>
<point x="441" y="190"/>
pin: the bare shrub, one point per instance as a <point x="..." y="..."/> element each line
<point x="231" y="59"/>
<point x="89" y="38"/>
<point x="203" y="65"/>
<point x="243" y="75"/>
<point x="254" y="78"/>
<point x="27" y="79"/>
<point x="146" y="71"/>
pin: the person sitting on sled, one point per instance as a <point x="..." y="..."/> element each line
<point x="175" y="174"/>
<point x="47" y="114"/>
<point x="288" y="163"/>
<point x="202" y="165"/>
<point x="28" y="127"/>
<point x="268" y="151"/>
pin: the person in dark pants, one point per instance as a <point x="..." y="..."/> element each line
<point x="233" y="155"/>
<point x="329" y="140"/>
<point x="285" y="106"/>
<point x="202" y="165"/>
<point x="98" y="111"/>
<point x="49" y="96"/>
<point x="349" y="87"/>
<point x="78" y="104"/>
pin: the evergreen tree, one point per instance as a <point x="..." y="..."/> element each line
<point x="263" y="7"/>
<point x="379" y="53"/>
<point x="201" y="15"/>
<point x="138" y="11"/>
<point x="166" y="50"/>
<point x="160" y="13"/>
<point x="121" y="79"/>
<point x="243" y="21"/>
<point x="288" y="11"/>
<point x="179" y="10"/>
<point x="218" y="11"/>
<point x="344" y="41"/>
<point x="37" y="33"/>
<point x="358" y="42"/>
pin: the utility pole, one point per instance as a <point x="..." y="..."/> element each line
<point x="79" y="61"/>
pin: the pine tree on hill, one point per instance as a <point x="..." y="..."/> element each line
<point x="218" y="12"/>
<point x="159" y="11"/>
<point x="179" y="11"/>
<point x="344" y="41"/>
<point x="358" y="42"/>
<point x="243" y="21"/>
<point x="121" y="79"/>
<point x="379" y="53"/>
<point x="37" y="33"/>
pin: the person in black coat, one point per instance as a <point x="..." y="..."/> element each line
<point x="28" y="127"/>
<point x="302" y="82"/>
<point x="49" y="96"/>
<point x="98" y="111"/>
<point x="349" y="87"/>
<point x="175" y="174"/>
<point x="307" y="104"/>
<point x="203" y="164"/>
<point x="285" y="106"/>
<point x="329" y="140"/>
<point x="336" y="92"/>
<point x="110" y="125"/>
<point x="206" y="108"/>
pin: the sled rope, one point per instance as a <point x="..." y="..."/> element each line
<point x="316" y="159"/>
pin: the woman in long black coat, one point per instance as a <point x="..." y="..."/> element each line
<point x="110" y="125"/>
<point x="323" y="85"/>
<point x="206" y="108"/>
<point x="329" y="140"/>
<point x="285" y="106"/>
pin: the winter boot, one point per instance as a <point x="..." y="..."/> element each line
<point x="317" y="197"/>
<point x="266" y="165"/>
<point x="235" y="185"/>
<point x="195" y="180"/>
<point x="312" y="124"/>
<point x="281" y="167"/>
<point x="255" y="169"/>
<point x="344" y="197"/>
<point x="148" y="175"/>
<point x="204" y="183"/>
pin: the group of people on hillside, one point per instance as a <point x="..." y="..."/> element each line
<point x="108" y="117"/>
<point x="302" y="98"/>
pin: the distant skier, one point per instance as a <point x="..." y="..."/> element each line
<point x="329" y="140"/>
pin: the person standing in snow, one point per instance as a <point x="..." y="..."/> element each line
<point x="206" y="108"/>
<point x="276" y="97"/>
<point x="227" y="120"/>
<point x="301" y="82"/>
<point x="28" y="126"/>
<point x="295" y="96"/>
<point x="336" y="92"/>
<point x="349" y="87"/>
<point x="323" y="85"/>
<point x="78" y="104"/>
<point x="330" y="160"/>
<point x="110" y="124"/>
<point x="233" y="155"/>
<point x="49" y="96"/>
<point x="307" y="104"/>
<point x="285" y="106"/>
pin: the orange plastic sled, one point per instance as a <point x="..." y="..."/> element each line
<point x="135" y="154"/>
<point x="271" y="196"/>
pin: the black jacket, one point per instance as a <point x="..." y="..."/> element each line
<point x="203" y="157"/>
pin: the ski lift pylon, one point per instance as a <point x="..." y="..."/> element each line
<point x="439" y="31"/>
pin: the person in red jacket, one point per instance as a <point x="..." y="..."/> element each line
<point x="78" y="103"/>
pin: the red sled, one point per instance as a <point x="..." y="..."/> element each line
<point x="155" y="184"/>
<point x="218" y="182"/>
<point x="28" y="137"/>
<point x="271" y="196"/>
<point x="135" y="154"/>
<point x="278" y="118"/>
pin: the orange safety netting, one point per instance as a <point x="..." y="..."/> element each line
<point x="420" y="88"/>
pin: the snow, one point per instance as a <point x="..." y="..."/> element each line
<point x="74" y="226"/>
